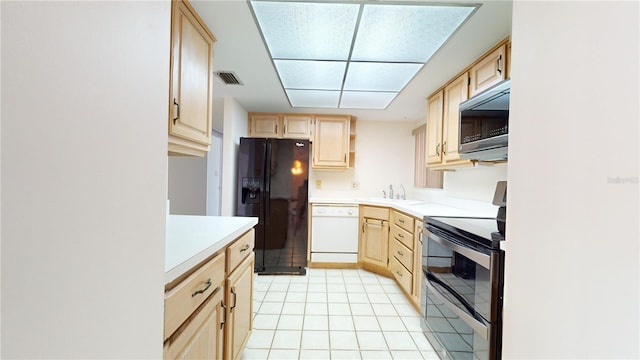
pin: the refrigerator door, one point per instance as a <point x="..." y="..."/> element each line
<point x="252" y="161"/>
<point x="286" y="204"/>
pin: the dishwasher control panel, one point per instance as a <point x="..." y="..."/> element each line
<point x="334" y="210"/>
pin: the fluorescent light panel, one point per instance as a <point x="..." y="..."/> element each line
<point x="312" y="45"/>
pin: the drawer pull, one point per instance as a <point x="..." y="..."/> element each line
<point x="400" y="253"/>
<point x="235" y="299"/>
<point x="245" y="248"/>
<point x="206" y="287"/>
<point x="400" y="236"/>
<point x="401" y="221"/>
<point x="399" y="273"/>
<point x="224" y="307"/>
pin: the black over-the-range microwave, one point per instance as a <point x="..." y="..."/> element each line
<point x="484" y="124"/>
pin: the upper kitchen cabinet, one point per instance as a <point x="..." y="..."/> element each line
<point x="488" y="71"/>
<point x="191" y="82"/>
<point x="443" y="106"/>
<point x="434" y="128"/>
<point x="334" y="142"/>
<point x="442" y="125"/>
<point x="286" y="126"/>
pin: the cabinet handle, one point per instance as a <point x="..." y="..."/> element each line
<point x="224" y="321"/>
<point x="499" y="61"/>
<point x="363" y="228"/>
<point x="399" y="273"/>
<point x="401" y="221"/>
<point x="444" y="148"/>
<point x="345" y="158"/>
<point x="206" y="287"/>
<point x="178" y="113"/>
<point x="276" y="129"/>
<point x="401" y="236"/>
<point x="400" y="253"/>
<point x="284" y="128"/>
<point x="420" y="236"/>
<point x="245" y="248"/>
<point x="438" y="149"/>
<point x="235" y="298"/>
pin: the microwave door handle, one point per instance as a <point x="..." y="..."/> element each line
<point x="480" y="258"/>
<point x="477" y="326"/>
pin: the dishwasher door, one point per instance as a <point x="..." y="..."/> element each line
<point x="334" y="233"/>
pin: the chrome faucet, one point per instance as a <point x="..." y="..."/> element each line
<point x="404" y="193"/>
<point x="390" y="191"/>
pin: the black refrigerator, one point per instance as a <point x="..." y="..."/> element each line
<point x="273" y="183"/>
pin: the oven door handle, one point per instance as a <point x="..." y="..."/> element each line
<point x="480" y="258"/>
<point x="476" y="325"/>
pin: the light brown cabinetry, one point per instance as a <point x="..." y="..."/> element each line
<point x="333" y="142"/>
<point x="443" y="107"/>
<point x="208" y="310"/>
<point x="374" y="236"/>
<point x="489" y="71"/>
<point x="401" y="262"/>
<point x="191" y="82"/>
<point x="434" y="128"/>
<point x="239" y="312"/>
<point x="286" y="126"/>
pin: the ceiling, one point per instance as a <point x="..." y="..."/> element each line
<point x="239" y="48"/>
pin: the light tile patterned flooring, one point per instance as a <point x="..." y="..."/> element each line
<point x="334" y="314"/>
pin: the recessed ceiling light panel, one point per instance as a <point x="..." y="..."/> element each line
<point x="379" y="76"/>
<point x="313" y="98"/>
<point x="306" y="74"/>
<point x="320" y="31"/>
<point x="405" y="33"/>
<point x="355" y="54"/>
<point x="366" y="100"/>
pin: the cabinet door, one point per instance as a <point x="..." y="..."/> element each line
<point x="264" y="125"/>
<point x="296" y="126"/>
<point x="240" y="301"/>
<point x="454" y="94"/>
<point x="488" y="71"/>
<point x="375" y="244"/>
<point x="202" y="336"/>
<point x="331" y="142"/>
<point x="434" y="129"/>
<point x="191" y="81"/>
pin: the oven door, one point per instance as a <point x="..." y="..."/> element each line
<point x="463" y="301"/>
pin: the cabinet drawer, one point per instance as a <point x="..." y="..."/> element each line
<point x="402" y="235"/>
<point x="404" y="221"/>
<point x="374" y="212"/>
<point x="404" y="277"/>
<point x="402" y="253"/>
<point x="182" y="300"/>
<point x="239" y="250"/>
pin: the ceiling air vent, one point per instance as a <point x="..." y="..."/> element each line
<point x="229" y="77"/>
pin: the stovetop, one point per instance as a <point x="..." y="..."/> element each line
<point x="487" y="232"/>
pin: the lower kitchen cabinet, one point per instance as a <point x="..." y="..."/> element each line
<point x="203" y="336"/>
<point x="374" y="236"/>
<point x="239" y="312"/>
<point x="208" y="310"/>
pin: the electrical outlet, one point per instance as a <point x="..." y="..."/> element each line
<point x="318" y="184"/>
<point x="355" y="185"/>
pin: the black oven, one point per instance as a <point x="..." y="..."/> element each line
<point x="462" y="287"/>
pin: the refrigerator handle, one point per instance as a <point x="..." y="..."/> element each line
<point x="267" y="184"/>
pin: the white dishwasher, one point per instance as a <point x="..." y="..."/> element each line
<point x="334" y="233"/>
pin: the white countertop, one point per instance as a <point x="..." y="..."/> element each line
<point x="192" y="239"/>
<point x="417" y="208"/>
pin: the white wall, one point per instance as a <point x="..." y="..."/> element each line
<point x="84" y="174"/>
<point x="384" y="156"/>
<point x="572" y="269"/>
<point x="188" y="185"/>
<point x="235" y="126"/>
